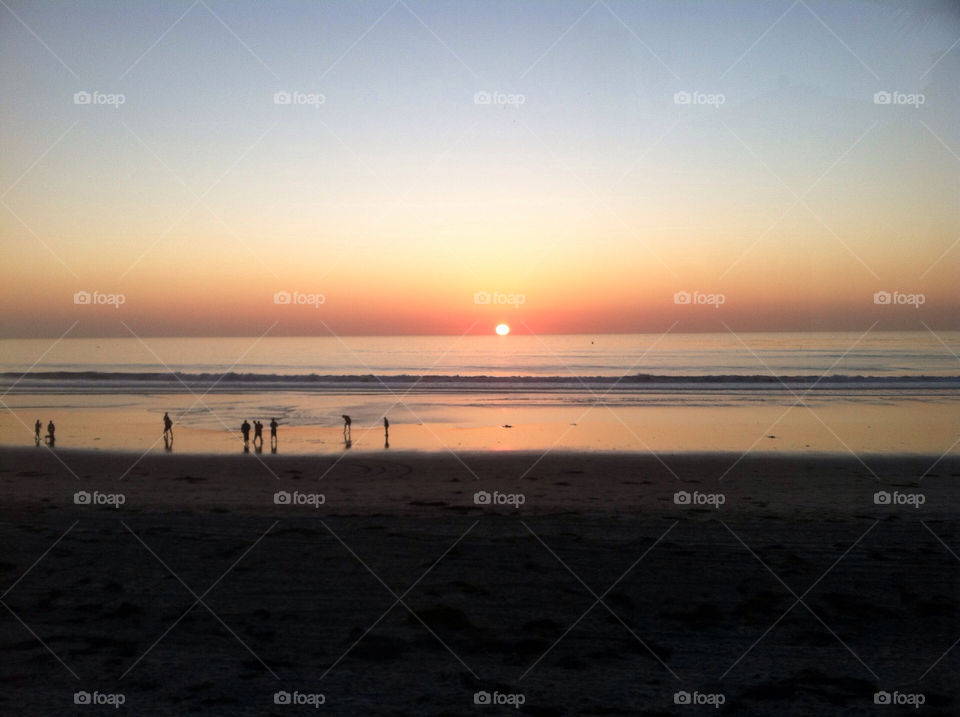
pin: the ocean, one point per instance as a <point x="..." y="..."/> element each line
<point x="847" y="392"/>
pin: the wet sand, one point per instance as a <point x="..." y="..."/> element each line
<point x="498" y="597"/>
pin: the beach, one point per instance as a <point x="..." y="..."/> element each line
<point x="419" y="582"/>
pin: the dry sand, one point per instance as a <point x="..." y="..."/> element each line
<point x="493" y="598"/>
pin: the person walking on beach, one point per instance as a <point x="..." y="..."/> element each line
<point x="258" y="434"/>
<point x="167" y="426"/>
<point x="347" y="423"/>
<point x="273" y="434"/>
<point x="36" y="431"/>
<point x="51" y="430"/>
<point x="245" y="430"/>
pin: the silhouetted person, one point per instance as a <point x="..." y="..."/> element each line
<point x="257" y="434"/>
<point x="167" y="426"/>
<point x="273" y="435"/>
<point x="51" y="430"/>
<point x="245" y="430"/>
<point x="36" y="431"/>
<point x="347" y="432"/>
<point x="386" y="432"/>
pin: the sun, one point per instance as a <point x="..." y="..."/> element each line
<point x="503" y="329"/>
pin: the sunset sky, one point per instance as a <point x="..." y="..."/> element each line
<point x="399" y="197"/>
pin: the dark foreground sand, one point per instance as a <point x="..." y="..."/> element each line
<point x="497" y="599"/>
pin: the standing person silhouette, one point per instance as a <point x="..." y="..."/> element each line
<point x="386" y="432"/>
<point x="36" y="431"/>
<point x="273" y="435"/>
<point x="245" y="430"/>
<point x="167" y="426"/>
<point x="257" y="434"/>
<point x="51" y="430"/>
<point x="347" y="428"/>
